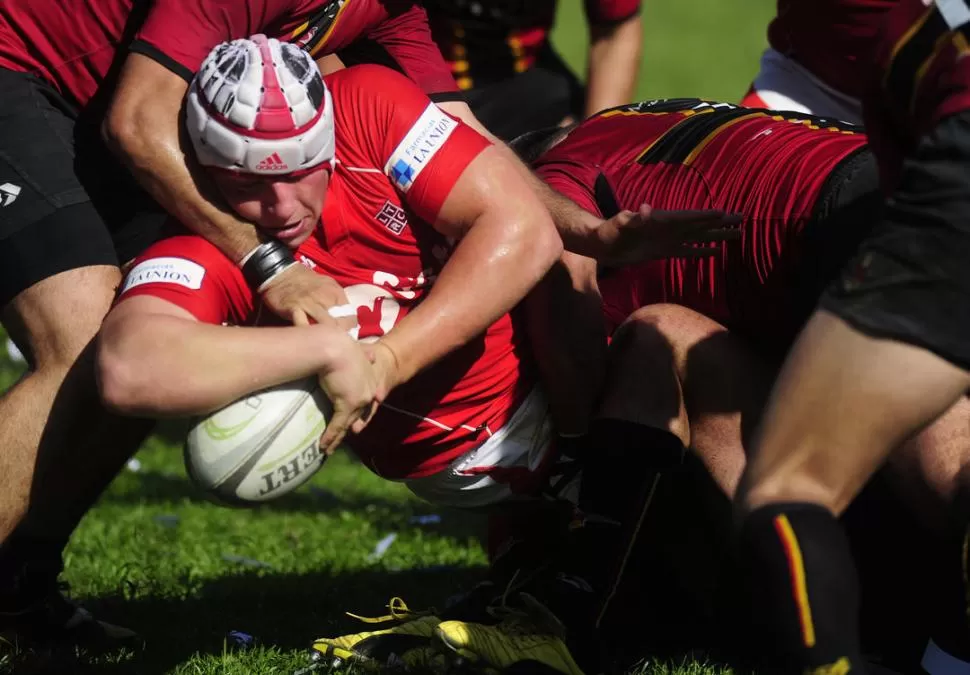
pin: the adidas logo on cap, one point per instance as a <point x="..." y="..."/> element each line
<point x="272" y="163"/>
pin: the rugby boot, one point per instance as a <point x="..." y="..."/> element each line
<point x="52" y="621"/>
<point x="528" y="638"/>
<point x="405" y="642"/>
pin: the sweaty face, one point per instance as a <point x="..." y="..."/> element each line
<point x="286" y="207"/>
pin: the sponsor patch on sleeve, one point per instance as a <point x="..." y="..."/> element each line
<point x="165" y="271"/>
<point x="422" y="142"/>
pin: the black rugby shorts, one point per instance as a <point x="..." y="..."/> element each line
<point x="65" y="202"/>
<point x="910" y="280"/>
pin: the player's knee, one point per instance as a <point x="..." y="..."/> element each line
<point x="643" y="384"/>
<point x="57" y="318"/>
<point x="665" y="331"/>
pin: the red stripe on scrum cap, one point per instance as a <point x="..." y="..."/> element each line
<point x="273" y="115"/>
<point x="276" y="134"/>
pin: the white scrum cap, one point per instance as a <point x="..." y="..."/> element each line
<point x="260" y="106"/>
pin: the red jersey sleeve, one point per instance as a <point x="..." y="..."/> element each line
<point x="179" y="34"/>
<point x="406" y="38"/>
<point x="610" y="11"/>
<point x="193" y="274"/>
<point x="383" y="119"/>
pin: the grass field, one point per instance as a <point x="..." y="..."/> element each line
<point x="156" y="556"/>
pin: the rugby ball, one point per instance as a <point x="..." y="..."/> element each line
<point x="260" y="447"/>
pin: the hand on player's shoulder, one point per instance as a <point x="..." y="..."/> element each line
<point x="648" y="234"/>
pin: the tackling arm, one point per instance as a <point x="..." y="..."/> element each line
<point x="142" y="127"/>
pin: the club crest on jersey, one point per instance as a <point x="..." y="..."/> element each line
<point x="425" y="138"/>
<point x="393" y="217"/>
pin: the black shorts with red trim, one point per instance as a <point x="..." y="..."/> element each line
<point x="65" y="202"/>
<point x="910" y="280"/>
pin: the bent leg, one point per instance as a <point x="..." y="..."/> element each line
<point x="842" y="403"/>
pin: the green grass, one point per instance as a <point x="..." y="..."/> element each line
<point x="152" y="553"/>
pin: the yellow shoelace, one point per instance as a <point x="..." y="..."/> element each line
<point x="399" y="611"/>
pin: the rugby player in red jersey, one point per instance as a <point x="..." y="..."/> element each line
<point x="816" y="59"/>
<point x="883" y="356"/>
<point x="71" y="214"/>
<point x="375" y="187"/>
<point x="400" y="207"/>
<point x="502" y="58"/>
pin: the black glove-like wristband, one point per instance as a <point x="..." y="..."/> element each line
<point x="266" y="262"/>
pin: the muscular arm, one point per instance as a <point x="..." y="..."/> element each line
<point x="507" y="244"/>
<point x="156" y="359"/>
<point x="614" y="64"/>
<point x="142" y="127"/>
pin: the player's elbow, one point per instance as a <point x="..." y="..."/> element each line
<point x="123" y="381"/>
<point x="131" y="130"/>
<point x="544" y="242"/>
<point x="119" y="129"/>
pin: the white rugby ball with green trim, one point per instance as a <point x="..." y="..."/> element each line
<point x="260" y="447"/>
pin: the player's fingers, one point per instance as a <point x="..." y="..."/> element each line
<point x="695" y="220"/>
<point x="345" y="316"/>
<point x="319" y="313"/>
<point x="335" y="431"/>
<point x="712" y="235"/>
<point x="300" y="318"/>
<point x="695" y="252"/>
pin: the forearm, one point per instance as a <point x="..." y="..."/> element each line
<point x="164" y="171"/>
<point x="564" y="319"/>
<point x="614" y="64"/>
<point x="491" y="270"/>
<point x="145" y="134"/>
<point x="162" y="366"/>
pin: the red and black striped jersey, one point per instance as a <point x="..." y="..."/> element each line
<point x="76" y="44"/>
<point x="922" y="76"/>
<point x="770" y="167"/>
<point x="830" y="38"/>
<point x="487" y="41"/>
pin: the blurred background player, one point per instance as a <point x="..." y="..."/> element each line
<point x="816" y="60"/>
<point x="513" y="79"/>
<point x="883" y="356"/>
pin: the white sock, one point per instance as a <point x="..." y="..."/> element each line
<point x="938" y="662"/>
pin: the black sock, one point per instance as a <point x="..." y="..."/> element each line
<point x="29" y="566"/>
<point x="620" y="470"/>
<point x="622" y="461"/>
<point x="804" y="588"/>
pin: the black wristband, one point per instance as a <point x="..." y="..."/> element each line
<point x="265" y="262"/>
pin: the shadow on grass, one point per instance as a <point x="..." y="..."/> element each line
<point x="456" y="524"/>
<point x="284" y="611"/>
